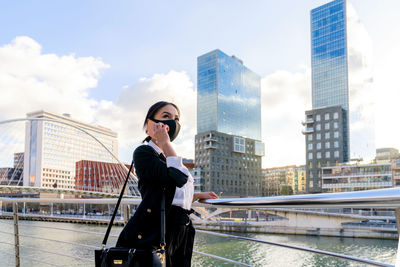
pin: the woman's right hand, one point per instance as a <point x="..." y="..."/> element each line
<point x="160" y="132"/>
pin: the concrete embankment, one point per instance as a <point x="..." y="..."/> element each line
<point x="237" y="226"/>
<point x="262" y="227"/>
<point x="34" y="217"/>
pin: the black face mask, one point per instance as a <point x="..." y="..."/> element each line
<point x="174" y="128"/>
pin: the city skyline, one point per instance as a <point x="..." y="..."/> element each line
<point x="88" y="82"/>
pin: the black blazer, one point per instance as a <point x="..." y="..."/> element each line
<point x="143" y="228"/>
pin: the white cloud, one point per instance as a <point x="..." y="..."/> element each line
<point x="285" y="98"/>
<point x="127" y="114"/>
<point x="31" y="80"/>
<point x="361" y="88"/>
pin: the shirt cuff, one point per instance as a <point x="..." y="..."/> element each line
<point x="176" y="162"/>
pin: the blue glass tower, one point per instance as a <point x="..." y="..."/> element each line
<point x="329" y="56"/>
<point x="228" y="96"/>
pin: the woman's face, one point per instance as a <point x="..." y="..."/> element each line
<point x="167" y="112"/>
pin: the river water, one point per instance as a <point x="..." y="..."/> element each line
<point x="248" y="252"/>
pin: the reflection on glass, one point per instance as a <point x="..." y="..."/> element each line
<point x="229" y="96"/>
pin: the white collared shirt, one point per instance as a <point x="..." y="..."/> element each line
<point x="183" y="196"/>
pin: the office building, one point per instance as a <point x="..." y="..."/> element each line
<point x="228" y="96"/>
<point x="387" y="153"/>
<point x="230" y="165"/>
<point x="100" y="176"/>
<point x="52" y="149"/>
<point x="356" y="177"/>
<point x="228" y="149"/>
<point x="326" y="144"/>
<point x="329" y="64"/>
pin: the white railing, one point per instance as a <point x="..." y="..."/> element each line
<point x="383" y="198"/>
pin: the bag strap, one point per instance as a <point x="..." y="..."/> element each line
<point x="162" y="241"/>
<point x="116" y="209"/>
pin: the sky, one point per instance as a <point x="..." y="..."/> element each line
<point x="107" y="62"/>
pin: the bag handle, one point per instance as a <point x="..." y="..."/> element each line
<point x="103" y="244"/>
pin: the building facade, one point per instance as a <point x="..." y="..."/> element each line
<point x="100" y="176"/>
<point x="228" y="96"/>
<point x="275" y="179"/>
<point x="52" y="149"/>
<point x="13" y="176"/>
<point x="355" y="177"/>
<point x="330" y="89"/>
<point x="326" y="143"/>
<point x="230" y="165"/>
<point x="396" y="172"/>
<point x="228" y="149"/>
<point x="387" y="153"/>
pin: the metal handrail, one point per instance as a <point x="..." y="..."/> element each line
<point x="380" y="198"/>
<point x="31" y="259"/>
<point x="221" y="258"/>
<point x="377" y="198"/>
<point x="64" y="242"/>
<point x="327" y="253"/>
<point x="98" y="233"/>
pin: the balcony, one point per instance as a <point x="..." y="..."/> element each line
<point x="210" y="138"/>
<point x="308" y="121"/>
<point x="210" y="145"/>
<point x="308" y="130"/>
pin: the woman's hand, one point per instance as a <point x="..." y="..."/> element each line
<point x="201" y="197"/>
<point x="160" y="132"/>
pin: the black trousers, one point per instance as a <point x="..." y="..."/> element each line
<point x="179" y="237"/>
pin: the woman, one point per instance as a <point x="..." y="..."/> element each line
<point x="159" y="170"/>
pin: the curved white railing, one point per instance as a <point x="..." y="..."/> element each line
<point x="382" y="198"/>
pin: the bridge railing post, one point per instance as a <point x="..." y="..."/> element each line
<point x="126" y="214"/>
<point x="16" y="235"/>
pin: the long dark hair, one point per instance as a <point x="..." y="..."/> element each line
<point x="153" y="110"/>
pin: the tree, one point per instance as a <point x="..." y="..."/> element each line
<point x="286" y="190"/>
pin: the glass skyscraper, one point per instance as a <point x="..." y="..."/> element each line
<point x="228" y="96"/>
<point x="329" y="56"/>
<point x="327" y="124"/>
<point x="228" y="147"/>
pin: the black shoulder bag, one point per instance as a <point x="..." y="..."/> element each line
<point x="131" y="257"/>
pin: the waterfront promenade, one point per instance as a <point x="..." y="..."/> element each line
<point x="250" y="236"/>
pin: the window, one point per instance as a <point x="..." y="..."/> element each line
<point x="327" y="126"/>
<point x="336" y="115"/>
<point x="326" y="116"/>
<point x="318" y="136"/>
<point x="327" y="154"/>
<point x="318" y="127"/>
<point x="327" y="135"/>
<point x="336" y="154"/>
<point x="336" y="134"/>
<point x="310" y="155"/>
<point x="318" y="145"/>
<point x="318" y="155"/>
<point x="327" y="145"/>
<point x="336" y="144"/>
<point x="310" y="137"/>
<point x="238" y="144"/>
<point x="318" y="117"/>
<point x="310" y="146"/>
<point x="335" y="125"/>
